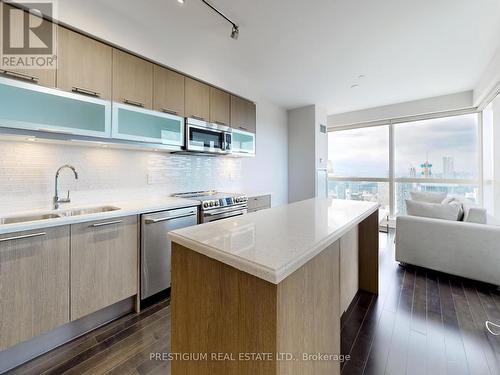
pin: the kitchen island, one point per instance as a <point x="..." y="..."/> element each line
<point x="263" y="293"/>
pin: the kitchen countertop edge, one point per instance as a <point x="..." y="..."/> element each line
<point x="127" y="210"/>
<point x="274" y="276"/>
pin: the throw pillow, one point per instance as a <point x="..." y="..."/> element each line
<point x="427" y="197"/>
<point x="433" y="210"/>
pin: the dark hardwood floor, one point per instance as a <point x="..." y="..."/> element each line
<point x="422" y="322"/>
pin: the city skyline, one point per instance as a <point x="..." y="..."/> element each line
<point x="365" y="152"/>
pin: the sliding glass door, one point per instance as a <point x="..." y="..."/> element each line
<point x="385" y="162"/>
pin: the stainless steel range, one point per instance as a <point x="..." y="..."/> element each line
<point x="216" y="206"/>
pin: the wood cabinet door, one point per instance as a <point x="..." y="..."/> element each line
<point x="197" y="99"/>
<point x="220" y="107"/>
<point x="132" y="80"/>
<point x="34" y="283"/>
<point x="168" y="91"/>
<point x="243" y="114"/>
<point x="84" y="64"/>
<point x="44" y="77"/>
<point x="104" y="268"/>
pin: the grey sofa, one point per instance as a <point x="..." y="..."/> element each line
<point x="466" y="249"/>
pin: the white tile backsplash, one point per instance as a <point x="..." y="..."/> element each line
<point x="27" y="171"/>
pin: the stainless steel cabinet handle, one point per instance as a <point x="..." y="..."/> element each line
<point x="97" y="225"/>
<point x="220" y="123"/>
<point x="198" y="118"/>
<point x="243" y="128"/>
<point x="154" y="221"/>
<point x="81" y="90"/>
<point x="20" y="75"/>
<point x="170" y="111"/>
<point x="132" y="102"/>
<point x="23" y="237"/>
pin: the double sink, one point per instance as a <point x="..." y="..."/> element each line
<point x="56" y="215"/>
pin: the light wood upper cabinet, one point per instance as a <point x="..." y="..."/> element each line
<point x="104" y="264"/>
<point x="132" y="80"/>
<point x="243" y="114"/>
<point x="168" y="91"/>
<point x="197" y="96"/>
<point x="43" y="77"/>
<point x="34" y="283"/>
<point x="220" y="107"/>
<point x="84" y="65"/>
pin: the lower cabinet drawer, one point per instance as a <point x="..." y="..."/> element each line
<point x="34" y="283"/>
<point x="258" y="203"/>
<point x="104" y="268"/>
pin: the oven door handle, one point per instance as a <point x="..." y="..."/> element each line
<point x="239" y="209"/>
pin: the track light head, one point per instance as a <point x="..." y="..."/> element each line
<point x="235" y="33"/>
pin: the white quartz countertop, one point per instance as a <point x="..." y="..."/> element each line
<point x="272" y="244"/>
<point x="126" y="208"/>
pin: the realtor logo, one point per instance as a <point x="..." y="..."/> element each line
<point x="27" y="38"/>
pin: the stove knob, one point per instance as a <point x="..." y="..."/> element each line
<point x="211" y="203"/>
<point x="217" y="203"/>
<point x="205" y="204"/>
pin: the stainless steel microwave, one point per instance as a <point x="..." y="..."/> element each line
<point x="202" y="136"/>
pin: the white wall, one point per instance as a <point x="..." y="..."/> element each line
<point x="268" y="171"/>
<point x="462" y="100"/>
<point x="307" y="151"/>
<point x="301" y="157"/>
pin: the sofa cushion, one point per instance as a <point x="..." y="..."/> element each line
<point x="427" y="197"/>
<point x="455" y="202"/>
<point x="452" y="211"/>
<point x="476" y="215"/>
<point x="472" y="213"/>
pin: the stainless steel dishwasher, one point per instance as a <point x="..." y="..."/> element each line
<point x="156" y="247"/>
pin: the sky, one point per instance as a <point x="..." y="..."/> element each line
<point x="365" y="152"/>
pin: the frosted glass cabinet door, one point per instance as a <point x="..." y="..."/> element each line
<point x="243" y="142"/>
<point x="32" y="107"/>
<point x="144" y="125"/>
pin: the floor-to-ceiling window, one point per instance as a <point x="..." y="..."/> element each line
<point x="385" y="162"/>
<point x="358" y="164"/>
<point x="491" y="157"/>
<point x="436" y="155"/>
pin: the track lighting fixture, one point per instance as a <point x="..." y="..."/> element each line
<point x="235" y="32"/>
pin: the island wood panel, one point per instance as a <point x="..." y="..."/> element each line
<point x="84" y="64"/>
<point x="308" y="306"/>
<point x="44" y="77"/>
<point x="34" y="284"/>
<point x="369" y="254"/>
<point x="103" y="264"/>
<point x="219" y="309"/>
<point x="349" y="275"/>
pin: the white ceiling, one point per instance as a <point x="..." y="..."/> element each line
<point x="309" y="52"/>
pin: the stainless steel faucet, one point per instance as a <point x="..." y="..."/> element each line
<point x="57" y="199"/>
